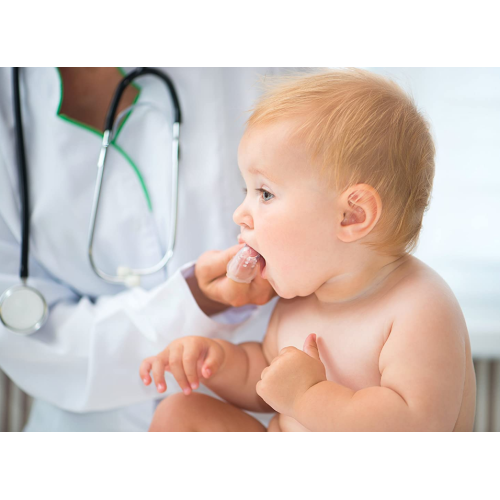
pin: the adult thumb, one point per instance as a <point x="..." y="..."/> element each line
<point x="212" y="264"/>
<point x="311" y="347"/>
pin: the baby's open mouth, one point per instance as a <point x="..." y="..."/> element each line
<point x="262" y="260"/>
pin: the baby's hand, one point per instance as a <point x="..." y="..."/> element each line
<point x="188" y="359"/>
<point x="290" y="375"/>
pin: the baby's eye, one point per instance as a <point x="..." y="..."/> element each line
<point x="266" y="195"/>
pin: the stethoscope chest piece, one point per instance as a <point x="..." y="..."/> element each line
<point x="23" y="309"/>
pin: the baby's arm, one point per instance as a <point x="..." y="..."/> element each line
<point x="243" y="367"/>
<point x="422" y="366"/>
<point x="231" y="371"/>
<point x="236" y="380"/>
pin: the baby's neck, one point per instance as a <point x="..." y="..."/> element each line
<point x="359" y="280"/>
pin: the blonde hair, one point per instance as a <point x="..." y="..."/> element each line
<point x="360" y="127"/>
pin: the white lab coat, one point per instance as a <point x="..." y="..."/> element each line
<point x="82" y="366"/>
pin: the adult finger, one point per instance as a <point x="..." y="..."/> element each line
<point x="261" y="289"/>
<point x="244" y="266"/>
<point x="212" y="265"/>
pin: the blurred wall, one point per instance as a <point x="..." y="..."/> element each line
<point x="461" y="231"/>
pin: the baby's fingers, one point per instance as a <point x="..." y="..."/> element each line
<point x="213" y="360"/>
<point x="145" y="368"/>
<point x="190" y="359"/>
<point x="177" y="369"/>
<point x="159" y="374"/>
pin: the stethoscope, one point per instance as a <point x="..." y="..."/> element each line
<point x="23" y="309"/>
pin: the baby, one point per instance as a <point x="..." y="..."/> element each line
<point x="339" y="168"/>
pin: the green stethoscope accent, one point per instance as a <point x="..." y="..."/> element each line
<point x="113" y="142"/>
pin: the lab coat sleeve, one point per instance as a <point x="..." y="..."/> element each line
<point x="87" y="356"/>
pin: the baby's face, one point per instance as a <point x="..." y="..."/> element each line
<point x="288" y="215"/>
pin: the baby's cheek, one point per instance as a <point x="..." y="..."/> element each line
<point x="290" y="255"/>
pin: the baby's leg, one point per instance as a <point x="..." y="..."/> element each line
<point x="201" y="413"/>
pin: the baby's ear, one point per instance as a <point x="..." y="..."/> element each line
<point x="361" y="208"/>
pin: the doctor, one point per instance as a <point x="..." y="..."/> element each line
<point x="82" y="365"/>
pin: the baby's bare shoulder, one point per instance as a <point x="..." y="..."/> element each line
<point x="420" y="292"/>
<point x="418" y="283"/>
<point x="425" y="357"/>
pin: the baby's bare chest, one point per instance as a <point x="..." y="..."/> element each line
<point x="349" y="342"/>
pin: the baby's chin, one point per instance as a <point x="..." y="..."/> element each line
<point x="287" y="290"/>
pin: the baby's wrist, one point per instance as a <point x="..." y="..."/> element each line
<point x="301" y="401"/>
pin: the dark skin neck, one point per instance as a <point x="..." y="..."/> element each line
<point x="88" y="93"/>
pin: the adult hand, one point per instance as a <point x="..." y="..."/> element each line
<point x="210" y="272"/>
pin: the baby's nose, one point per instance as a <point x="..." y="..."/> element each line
<point x="242" y="217"/>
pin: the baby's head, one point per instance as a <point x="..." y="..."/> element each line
<point x="339" y="168"/>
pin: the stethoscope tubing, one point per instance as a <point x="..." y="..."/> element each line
<point x="127" y="80"/>
<point x="23" y="175"/>
<point x="10" y="299"/>
<point x="23" y="309"/>
<point x="131" y="276"/>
